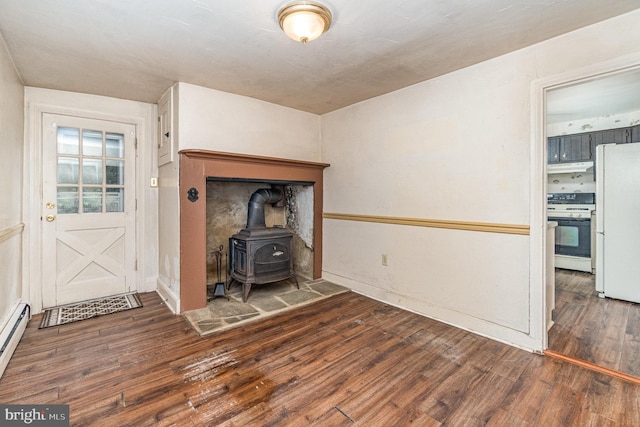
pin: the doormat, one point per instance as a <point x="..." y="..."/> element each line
<point x="63" y="314"/>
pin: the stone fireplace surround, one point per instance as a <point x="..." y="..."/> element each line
<point x="195" y="167"/>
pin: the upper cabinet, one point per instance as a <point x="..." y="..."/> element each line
<point x="571" y="148"/>
<point x="613" y="136"/>
<point x="581" y="147"/>
<point x="635" y="133"/>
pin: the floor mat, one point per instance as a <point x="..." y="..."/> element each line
<point x="87" y="309"/>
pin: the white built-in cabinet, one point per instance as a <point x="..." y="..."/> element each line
<point x="165" y="128"/>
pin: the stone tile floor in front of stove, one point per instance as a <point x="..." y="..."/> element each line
<point x="264" y="300"/>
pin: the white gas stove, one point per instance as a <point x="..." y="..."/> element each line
<point x="574" y="234"/>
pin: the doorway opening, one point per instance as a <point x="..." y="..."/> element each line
<point x="582" y="114"/>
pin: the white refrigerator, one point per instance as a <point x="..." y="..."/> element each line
<point x="618" y="221"/>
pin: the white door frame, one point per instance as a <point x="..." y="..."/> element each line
<point x="538" y="174"/>
<point x="145" y="165"/>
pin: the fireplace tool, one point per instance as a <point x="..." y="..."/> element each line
<point x="219" y="286"/>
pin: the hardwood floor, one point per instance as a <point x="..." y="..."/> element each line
<point x="346" y="360"/>
<point x="603" y="331"/>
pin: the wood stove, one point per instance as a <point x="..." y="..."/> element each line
<point x="260" y="254"/>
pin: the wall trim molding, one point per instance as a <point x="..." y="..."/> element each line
<point x="8" y="233"/>
<point x="434" y="223"/>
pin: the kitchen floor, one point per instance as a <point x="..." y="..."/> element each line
<point x="264" y="300"/>
<point x="598" y="330"/>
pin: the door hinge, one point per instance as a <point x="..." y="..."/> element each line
<point x="136" y="205"/>
<point x="135" y="265"/>
<point x="135" y="143"/>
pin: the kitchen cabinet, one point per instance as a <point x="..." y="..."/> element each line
<point x="553" y="151"/>
<point x="613" y="136"/>
<point x="635" y="133"/>
<point x="571" y="148"/>
<point x="581" y="147"/>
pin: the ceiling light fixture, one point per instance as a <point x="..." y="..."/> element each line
<point x="304" y="21"/>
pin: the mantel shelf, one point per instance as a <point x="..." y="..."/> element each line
<point x="250" y="158"/>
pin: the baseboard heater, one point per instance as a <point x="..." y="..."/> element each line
<point x="12" y="332"/>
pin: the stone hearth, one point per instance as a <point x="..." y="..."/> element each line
<point x="221" y="314"/>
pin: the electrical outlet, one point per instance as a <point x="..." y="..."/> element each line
<point x="385" y="259"/>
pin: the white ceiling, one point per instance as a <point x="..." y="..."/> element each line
<point x="137" y="49"/>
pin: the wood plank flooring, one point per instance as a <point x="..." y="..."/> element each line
<point x="347" y="360"/>
<point x="603" y="331"/>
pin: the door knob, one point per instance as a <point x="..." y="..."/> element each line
<point x="51" y="218"/>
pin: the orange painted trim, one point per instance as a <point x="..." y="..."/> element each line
<point x="593" y="367"/>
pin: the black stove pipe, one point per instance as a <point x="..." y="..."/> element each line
<point x="255" y="214"/>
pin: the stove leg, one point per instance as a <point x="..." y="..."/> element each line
<point x="295" y="279"/>
<point x="246" y="287"/>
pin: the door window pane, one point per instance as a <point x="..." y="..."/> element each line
<point x="91" y="200"/>
<point x="115" y="145"/>
<point x="67" y="200"/>
<point x="91" y="171"/>
<point x="115" y="200"/>
<point x="68" y="140"/>
<point x="115" y="172"/>
<point x="68" y="170"/>
<point x="91" y="143"/>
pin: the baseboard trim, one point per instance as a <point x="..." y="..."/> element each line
<point x="460" y="320"/>
<point x="12" y="333"/>
<point x="171" y="299"/>
<point x="593" y="367"/>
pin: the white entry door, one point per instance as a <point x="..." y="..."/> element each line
<point x="88" y="209"/>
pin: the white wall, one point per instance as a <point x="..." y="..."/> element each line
<point x="144" y="117"/>
<point x="457" y="147"/>
<point x="11" y="139"/>
<point x="208" y="119"/>
<point x="220" y="121"/>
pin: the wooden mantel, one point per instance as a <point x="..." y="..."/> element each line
<point x="195" y="167"/>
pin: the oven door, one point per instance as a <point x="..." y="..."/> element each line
<point x="573" y="236"/>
